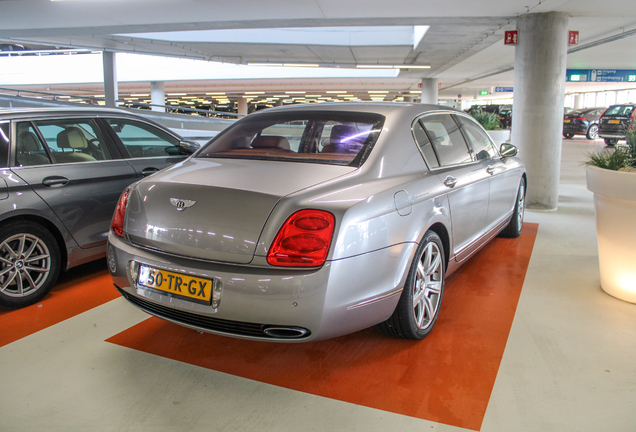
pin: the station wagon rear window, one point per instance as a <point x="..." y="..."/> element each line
<point x="619" y="110"/>
<point x="326" y="137"/>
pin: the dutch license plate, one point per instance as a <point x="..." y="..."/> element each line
<point x="614" y="121"/>
<point x="177" y="284"/>
<point x="566" y="121"/>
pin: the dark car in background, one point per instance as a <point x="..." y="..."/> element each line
<point x="614" y="122"/>
<point x="61" y="174"/>
<point x="582" y="122"/>
<point x="505" y="116"/>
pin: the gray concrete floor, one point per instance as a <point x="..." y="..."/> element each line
<point x="569" y="364"/>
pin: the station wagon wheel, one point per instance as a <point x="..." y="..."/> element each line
<point x="592" y="132"/>
<point x="419" y="304"/>
<point x="514" y="227"/>
<point x="611" y="141"/>
<point x="29" y="264"/>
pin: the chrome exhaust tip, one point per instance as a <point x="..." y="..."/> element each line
<point x="286" y="332"/>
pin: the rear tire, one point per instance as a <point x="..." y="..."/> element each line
<point x="592" y="132"/>
<point x="419" y="304"/>
<point x="611" y="141"/>
<point x="514" y="227"/>
<point x="29" y="264"/>
<point x="568" y="136"/>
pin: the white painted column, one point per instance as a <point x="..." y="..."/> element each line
<point x="579" y="101"/>
<point x="430" y="91"/>
<point x="540" y="63"/>
<point x="111" y="92"/>
<point x="157" y="95"/>
<point x="242" y="106"/>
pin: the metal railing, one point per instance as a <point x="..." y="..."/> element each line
<point x="177" y="109"/>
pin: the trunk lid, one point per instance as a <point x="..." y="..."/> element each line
<point x="225" y="204"/>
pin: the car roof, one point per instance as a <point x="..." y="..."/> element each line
<point x="15" y="113"/>
<point x="383" y="108"/>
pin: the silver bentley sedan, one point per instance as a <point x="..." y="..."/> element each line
<point x="309" y="222"/>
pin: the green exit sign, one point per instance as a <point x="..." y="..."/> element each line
<point x="483" y="93"/>
<point x="575" y="77"/>
<point x="631" y="78"/>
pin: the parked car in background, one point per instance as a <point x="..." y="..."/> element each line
<point x="505" y="116"/>
<point x="582" y="122"/>
<point x="308" y="222"/>
<point x="61" y="174"/>
<point x="614" y="122"/>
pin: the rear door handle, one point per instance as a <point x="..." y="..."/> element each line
<point x="490" y="169"/>
<point x="54" y="181"/>
<point x="147" y="171"/>
<point x="450" y="181"/>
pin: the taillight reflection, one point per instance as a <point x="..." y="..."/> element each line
<point x="120" y="211"/>
<point x="303" y="240"/>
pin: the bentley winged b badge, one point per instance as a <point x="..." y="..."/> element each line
<point x="182" y="204"/>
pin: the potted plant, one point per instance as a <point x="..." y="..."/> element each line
<point x="490" y="122"/>
<point x="611" y="175"/>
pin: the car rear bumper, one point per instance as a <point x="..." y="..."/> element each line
<point x="611" y="135"/>
<point x="266" y="303"/>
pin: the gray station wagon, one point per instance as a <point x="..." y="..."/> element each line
<point x="61" y="173"/>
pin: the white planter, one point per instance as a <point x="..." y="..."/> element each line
<point x="615" y="206"/>
<point x="499" y="136"/>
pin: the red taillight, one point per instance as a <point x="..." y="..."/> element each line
<point x="303" y="240"/>
<point x="118" y="218"/>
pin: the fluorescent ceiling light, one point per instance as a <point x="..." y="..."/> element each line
<point x="300" y="65"/>
<point x="393" y="67"/>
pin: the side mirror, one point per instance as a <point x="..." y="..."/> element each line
<point x="188" y="147"/>
<point x="508" y="150"/>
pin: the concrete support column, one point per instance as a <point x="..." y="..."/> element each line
<point x="579" y="101"/>
<point x="279" y="102"/>
<point x="408" y="99"/>
<point x="111" y="92"/>
<point x="242" y="106"/>
<point x="157" y="95"/>
<point x="430" y="91"/>
<point x="539" y="92"/>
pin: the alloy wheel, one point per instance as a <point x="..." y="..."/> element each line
<point x="25" y="263"/>
<point x="521" y="204"/>
<point x="428" y="286"/>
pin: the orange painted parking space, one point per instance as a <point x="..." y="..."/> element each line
<point x="78" y="290"/>
<point x="447" y="378"/>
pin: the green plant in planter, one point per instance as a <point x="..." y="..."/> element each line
<point x="616" y="159"/>
<point x="489" y="120"/>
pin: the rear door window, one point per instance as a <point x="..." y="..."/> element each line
<point x="447" y="140"/>
<point x="73" y="140"/>
<point x="29" y="150"/>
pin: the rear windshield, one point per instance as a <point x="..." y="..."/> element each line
<point x="619" y="110"/>
<point x="326" y="137"/>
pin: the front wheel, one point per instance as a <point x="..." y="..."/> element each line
<point x="611" y="141"/>
<point x="513" y="229"/>
<point x="29" y="264"/>
<point x="592" y="132"/>
<point x="419" y="304"/>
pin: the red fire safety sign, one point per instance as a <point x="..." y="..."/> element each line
<point x="573" y="37"/>
<point x="511" y="37"/>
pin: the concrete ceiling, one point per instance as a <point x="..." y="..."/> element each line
<point x="464" y="41"/>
